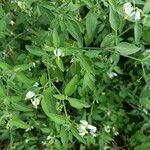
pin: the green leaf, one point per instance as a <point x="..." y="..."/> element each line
<point x="86" y="63"/>
<point x="109" y="40"/>
<point x="59" y="119"/>
<point x="146" y="21"/>
<point x="78" y="104"/>
<point x="19" y="68"/>
<point x="2" y="24"/>
<point x="91" y="24"/>
<point x="74" y="30"/>
<point x="20" y="107"/>
<point x="71" y="86"/>
<point x="35" y="50"/>
<point x="24" y="79"/>
<point x="64" y="136"/>
<point x="4" y="66"/>
<point x="2" y="91"/>
<point x="113" y="4"/>
<point x="114" y="19"/>
<point x="60" y="96"/>
<point x="146" y="33"/>
<point x="89" y="81"/>
<point x="145" y="146"/>
<point x="75" y="133"/>
<point x="15" y="121"/>
<point x="126" y="49"/>
<point x="56" y="40"/>
<point x="49" y="100"/>
<point x="146" y="8"/>
<point x="137" y="32"/>
<point x="60" y="64"/>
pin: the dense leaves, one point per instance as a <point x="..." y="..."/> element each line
<point x="74" y="74"/>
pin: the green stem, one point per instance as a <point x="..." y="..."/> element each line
<point x="51" y="83"/>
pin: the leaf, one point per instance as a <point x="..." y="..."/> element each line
<point x="15" y="121"/>
<point x="2" y="24"/>
<point x="59" y="119"/>
<point x="145" y="146"/>
<point x="91" y="24"/>
<point x="146" y="21"/>
<point x="2" y="91"/>
<point x="56" y="40"/>
<point x="35" y="50"/>
<point x="146" y="8"/>
<point x="60" y="96"/>
<point x="109" y="40"/>
<point x="24" y="79"/>
<point x="137" y="32"/>
<point x="114" y="19"/>
<point x="126" y="49"/>
<point x="78" y="104"/>
<point x="89" y="81"/>
<point x="20" y="107"/>
<point x="60" y="64"/>
<point x="74" y="30"/>
<point x="71" y="86"/>
<point x="4" y="66"/>
<point x="49" y="100"/>
<point x="86" y="63"/>
<point x="146" y="33"/>
<point x="19" y="68"/>
<point x="64" y="136"/>
<point x="113" y="4"/>
<point x="75" y="133"/>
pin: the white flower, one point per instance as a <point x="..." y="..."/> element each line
<point x="48" y="137"/>
<point x="30" y="95"/>
<point x="19" y="4"/>
<point x="112" y="74"/>
<point x="92" y="129"/>
<point x="108" y="113"/>
<point x="137" y="15"/>
<point x="131" y="11"/>
<point x="36" y="84"/>
<point x="82" y="130"/>
<point x="145" y="111"/>
<point x="57" y="52"/>
<point x="26" y="140"/>
<point x="84" y="127"/>
<point x="116" y="133"/>
<point x="34" y="65"/>
<point x="147" y="51"/>
<point x="44" y="142"/>
<point x="107" y="128"/>
<point x="12" y="22"/>
<point x="29" y="129"/>
<point x="35" y="102"/>
<point x="128" y="9"/>
<point x="84" y="122"/>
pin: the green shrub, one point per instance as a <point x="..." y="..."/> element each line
<point x="74" y="74"/>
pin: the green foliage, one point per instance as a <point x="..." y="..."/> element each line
<point x="74" y="74"/>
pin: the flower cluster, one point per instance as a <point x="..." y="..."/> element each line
<point x="34" y="100"/>
<point x="130" y="11"/>
<point x="108" y="129"/>
<point x="111" y="75"/>
<point x="85" y="128"/>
